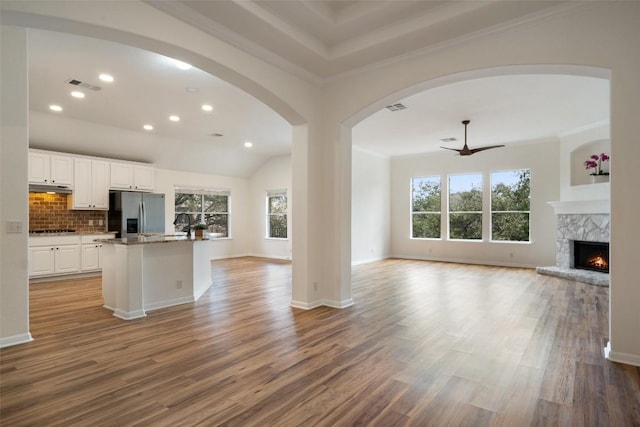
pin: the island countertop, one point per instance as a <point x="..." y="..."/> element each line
<point x="143" y="240"/>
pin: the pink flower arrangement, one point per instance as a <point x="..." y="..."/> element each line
<point x="595" y="162"/>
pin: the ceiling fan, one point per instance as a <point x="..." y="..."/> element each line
<point x="466" y="151"/>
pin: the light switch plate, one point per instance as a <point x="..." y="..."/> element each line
<point x="15" y="227"/>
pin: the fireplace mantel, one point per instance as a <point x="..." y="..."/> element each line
<point x="601" y="206"/>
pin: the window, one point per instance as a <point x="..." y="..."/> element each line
<point x="210" y="207"/>
<point x="510" y="201"/>
<point x="277" y="214"/>
<point x="465" y="207"/>
<point x="425" y="207"/>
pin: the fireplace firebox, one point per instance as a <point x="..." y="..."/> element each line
<point x="591" y="256"/>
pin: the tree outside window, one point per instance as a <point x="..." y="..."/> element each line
<point x="465" y="207"/>
<point x="510" y="205"/>
<point x="277" y="214"/>
<point x="203" y="206"/>
<point x="425" y="208"/>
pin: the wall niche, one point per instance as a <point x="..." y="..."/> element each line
<point x="579" y="174"/>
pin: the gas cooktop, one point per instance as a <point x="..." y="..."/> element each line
<point x="63" y="230"/>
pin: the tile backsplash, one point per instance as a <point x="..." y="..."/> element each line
<point x="50" y="212"/>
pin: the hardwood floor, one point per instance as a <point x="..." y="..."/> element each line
<point x="425" y="344"/>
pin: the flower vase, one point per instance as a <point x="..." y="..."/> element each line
<point x="595" y="179"/>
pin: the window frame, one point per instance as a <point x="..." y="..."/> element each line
<point x="412" y="213"/>
<point x="276" y="193"/>
<point x="492" y="211"/>
<point x="201" y="214"/>
<point x="481" y="212"/>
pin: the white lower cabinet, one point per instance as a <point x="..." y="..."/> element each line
<point x="91" y="257"/>
<point x="41" y="260"/>
<point x="59" y="255"/>
<point x="56" y="259"/>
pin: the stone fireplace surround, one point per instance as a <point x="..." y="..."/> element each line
<point x="584" y="220"/>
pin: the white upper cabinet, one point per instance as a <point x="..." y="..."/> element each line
<point x="127" y="176"/>
<point x="50" y="169"/>
<point x="121" y="176"/>
<point x="144" y="178"/>
<point x="91" y="184"/>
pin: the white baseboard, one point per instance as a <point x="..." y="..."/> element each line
<point x="368" y="260"/>
<point x="215" y="258"/>
<point x="66" y="276"/>
<point x="465" y="261"/>
<point x="626" y="358"/>
<point x="322" y="303"/>
<point x="306" y="305"/>
<point x="267" y="256"/>
<point x="168" y="303"/>
<point x="129" y="315"/>
<point x="15" y="340"/>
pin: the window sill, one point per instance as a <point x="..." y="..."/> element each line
<point x="277" y="238"/>
<point x="513" y="242"/>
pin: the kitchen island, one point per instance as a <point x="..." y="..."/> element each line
<point x="147" y="273"/>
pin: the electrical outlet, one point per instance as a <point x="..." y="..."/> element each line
<point x="179" y="284"/>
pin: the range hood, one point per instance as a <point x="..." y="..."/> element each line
<point x="41" y="188"/>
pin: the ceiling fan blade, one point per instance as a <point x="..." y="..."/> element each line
<point x="488" y="147"/>
<point x="452" y="149"/>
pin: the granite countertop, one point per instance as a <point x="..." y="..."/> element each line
<point x="143" y="240"/>
<point x="74" y="233"/>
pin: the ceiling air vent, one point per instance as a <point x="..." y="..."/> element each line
<point x="449" y="139"/>
<point x="89" y="86"/>
<point x="396" y="107"/>
<point x="217" y="135"/>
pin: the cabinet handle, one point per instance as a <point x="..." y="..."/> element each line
<point x="96" y="246"/>
<point x="57" y="249"/>
<point x="46" y="180"/>
<point x="53" y="180"/>
<point x="51" y="248"/>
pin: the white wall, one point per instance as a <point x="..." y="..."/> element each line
<point x="239" y="242"/>
<point x="370" y="206"/>
<point x="541" y="158"/>
<point x="275" y="174"/>
<point x="14" y="284"/>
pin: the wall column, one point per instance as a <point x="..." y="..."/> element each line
<point x="14" y="206"/>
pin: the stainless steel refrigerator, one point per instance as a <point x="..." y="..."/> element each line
<point x="131" y="213"/>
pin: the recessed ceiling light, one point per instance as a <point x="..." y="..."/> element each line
<point x="106" y="78"/>
<point x="207" y="107"/>
<point x="54" y="107"/>
<point x="192" y="89"/>
<point x="182" y="65"/>
<point x="147" y="127"/>
<point x="248" y="144"/>
<point x="77" y="94"/>
<point x="174" y="118"/>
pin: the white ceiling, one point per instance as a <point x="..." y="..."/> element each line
<point x="320" y="39"/>
<point x="147" y="89"/>
<point x="507" y="110"/>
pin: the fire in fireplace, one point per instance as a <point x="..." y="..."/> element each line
<point x="591" y="256"/>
